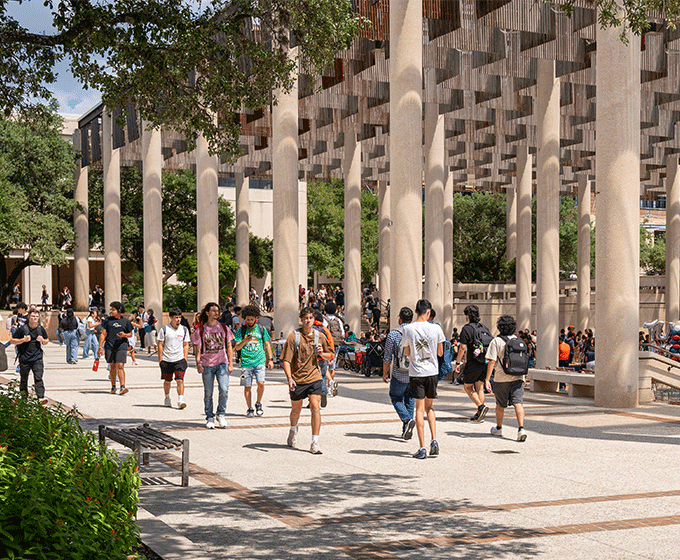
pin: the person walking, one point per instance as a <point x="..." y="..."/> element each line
<point x="214" y="361"/>
<point x="474" y="368"/>
<point x="399" y="380"/>
<point x="44" y="297"/>
<point x="173" y="353"/>
<point x="69" y="329"/>
<point x="337" y="330"/>
<point x="301" y="352"/>
<point x="91" y="323"/>
<point x="29" y="339"/>
<point x="252" y="340"/>
<point x="113" y="342"/>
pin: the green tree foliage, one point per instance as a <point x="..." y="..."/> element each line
<point x="370" y="226"/>
<point x="200" y="58"/>
<point x="36" y="192"/>
<point x="652" y="252"/>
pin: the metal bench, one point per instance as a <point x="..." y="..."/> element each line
<point x="548" y="381"/>
<point x="145" y="440"/>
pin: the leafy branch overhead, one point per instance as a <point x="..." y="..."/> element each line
<point x="180" y="62"/>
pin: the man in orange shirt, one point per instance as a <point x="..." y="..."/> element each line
<point x="563" y="353"/>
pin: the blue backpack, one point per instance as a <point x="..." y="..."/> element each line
<point x="445" y="367"/>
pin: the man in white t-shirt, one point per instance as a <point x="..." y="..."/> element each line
<point x="173" y="352"/>
<point x="423" y="342"/>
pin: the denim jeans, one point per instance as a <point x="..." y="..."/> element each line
<point x="220" y="372"/>
<point x="256" y="373"/>
<point x="71" y="341"/>
<point x="323" y="368"/>
<point x="403" y="404"/>
<point x="60" y="336"/>
<point x="90" y="342"/>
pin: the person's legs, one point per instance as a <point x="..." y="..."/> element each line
<point x="38" y="369"/>
<point x="248" y="388"/>
<point x="420" y="421"/>
<point x="208" y="388"/>
<point x="431" y="418"/>
<point x="121" y="373"/>
<point x="222" y="375"/>
<point x="500" y="413"/>
<point x="86" y="345"/>
<point x="113" y="374"/>
<point x="519" y="411"/>
<point x="260" y="391"/>
<point x="471" y="390"/>
<point x="67" y="342"/>
<point x="296" y="408"/>
<point x="23" y="379"/>
<point x="401" y="400"/>
<point x="315" y="409"/>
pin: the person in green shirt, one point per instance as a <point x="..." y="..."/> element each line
<point x="252" y="340"/>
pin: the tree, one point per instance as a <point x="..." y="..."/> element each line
<point x="36" y="193"/>
<point x="652" y="252"/>
<point x="200" y="59"/>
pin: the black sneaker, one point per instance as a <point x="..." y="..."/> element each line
<point x="434" y="448"/>
<point x="408" y="429"/>
<point x="324" y="400"/>
<point x="258" y="409"/>
<point x="420" y="454"/>
<point x="475" y="418"/>
<point x="482" y="413"/>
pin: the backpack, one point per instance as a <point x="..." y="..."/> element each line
<point x="445" y="367"/>
<point x="80" y="329"/>
<point x="226" y="317"/>
<point x="335" y="328"/>
<point x="481" y="338"/>
<point x="515" y="360"/>
<point x="401" y="360"/>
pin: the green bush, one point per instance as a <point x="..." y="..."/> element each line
<point x="59" y="498"/>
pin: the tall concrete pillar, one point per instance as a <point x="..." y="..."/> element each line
<point x="523" y="261"/>
<point x="285" y="198"/>
<point x="510" y="223"/>
<point x="406" y="151"/>
<point x="583" y="255"/>
<point x="242" y="239"/>
<point x="617" y="273"/>
<point x="434" y="206"/>
<point x="81" y="268"/>
<point x="207" y="240"/>
<point x="352" y="174"/>
<point x="547" y="214"/>
<point x="152" y="165"/>
<point x="447" y="321"/>
<point x="302" y="229"/>
<point x="111" y="165"/>
<point x="672" y="239"/>
<point x="384" y="242"/>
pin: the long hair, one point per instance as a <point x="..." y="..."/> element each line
<point x="203" y="317"/>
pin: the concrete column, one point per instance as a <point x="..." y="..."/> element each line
<point x="523" y="261"/>
<point x="352" y="174"/>
<point x="406" y="151"/>
<point x="111" y="165"/>
<point x="207" y="240"/>
<point x="384" y="243"/>
<point x="302" y="229"/>
<point x="547" y="214"/>
<point x="81" y="253"/>
<point x="152" y="165"/>
<point x="434" y="206"/>
<point x="285" y="198"/>
<point x="447" y="320"/>
<point x="242" y="239"/>
<point x="672" y="239"/>
<point x="583" y="256"/>
<point x="617" y="273"/>
<point x="510" y="223"/>
<point x="32" y="280"/>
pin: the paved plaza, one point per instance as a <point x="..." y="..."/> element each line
<point x="588" y="482"/>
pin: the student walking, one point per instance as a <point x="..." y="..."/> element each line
<point x="113" y="343"/>
<point x="91" y="323"/>
<point x="69" y="329"/>
<point x="173" y="353"/>
<point x="29" y="339"/>
<point x="473" y="358"/>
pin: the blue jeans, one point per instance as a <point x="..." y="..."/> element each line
<point x="90" y="342"/>
<point x="323" y="368"/>
<point x="71" y="341"/>
<point x="403" y="404"/>
<point x="257" y="373"/>
<point x="60" y="336"/>
<point x="220" y="372"/>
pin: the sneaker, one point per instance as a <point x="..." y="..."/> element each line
<point x="124" y="390"/>
<point x="521" y="435"/>
<point x="180" y="403"/>
<point x="210" y="424"/>
<point x="315" y="449"/>
<point x="250" y="413"/>
<point x="475" y="418"/>
<point x="324" y="400"/>
<point x="434" y="448"/>
<point x="258" y="409"/>
<point x="221" y="421"/>
<point x="408" y="430"/>
<point x="420" y="454"/>
<point x="292" y="437"/>
<point x="496" y="431"/>
<point x="113" y="390"/>
<point x="482" y="413"/>
<point x="167" y="401"/>
<point x="334" y="391"/>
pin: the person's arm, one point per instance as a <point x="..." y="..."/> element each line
<point x="160" y="344"/>
<point x="387" y="359"/>
<point x="239" y="345"/>
<point x="489" y="370"/>
<point x="462" y="349"/>
<point x="186" y="350"/>
<point x="25" y="338"/>
<point x="102" y="338"/>
<point x="270" y="356"/>
<point x="289" y="375"/>
<point x="230" y="355"/>
<point x="440" y="349"/>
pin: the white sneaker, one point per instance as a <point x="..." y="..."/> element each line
<point x="181" y="403"/>
<point x="210" y="424"/>
<point x="168" y="402"/>
<point x="315" y="449"/>
<point x="292" y="436"/>
<point x="521" y="435"/>
<point x="221" y="421"/>
<point x="496" y="431"/>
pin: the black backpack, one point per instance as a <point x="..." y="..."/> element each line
<point x="515" y="360"/>
<point x="481" y="338"/>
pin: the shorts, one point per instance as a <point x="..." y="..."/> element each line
<point x="507" y="393"/>
<point x="248" y="373"/>
<point x="116" y="355"/>
<point x="423" y="387"/>
<point x="168" y="369"/>
<point x="473" y="374"/>
<point x="302" y="391"/>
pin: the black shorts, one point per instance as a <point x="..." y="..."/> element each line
<point x="170" y="369"/>
<point x="507" y="393"/>
<point x="116" y="355"/>
<point x="302" y="391"/>
<point x="423" y="387"/>
<point x="473" y="374"/>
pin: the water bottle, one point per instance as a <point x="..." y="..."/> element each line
<point x="95" y="365"/>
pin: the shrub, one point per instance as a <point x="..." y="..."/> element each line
<point x="59" y="498"/>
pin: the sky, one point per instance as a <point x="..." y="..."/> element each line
<point x="72" y="98"/>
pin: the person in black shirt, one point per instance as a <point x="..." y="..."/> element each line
<point x="474" y="372"/>
<point x="29" y="339"/>
<point x="116" y="330"/>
